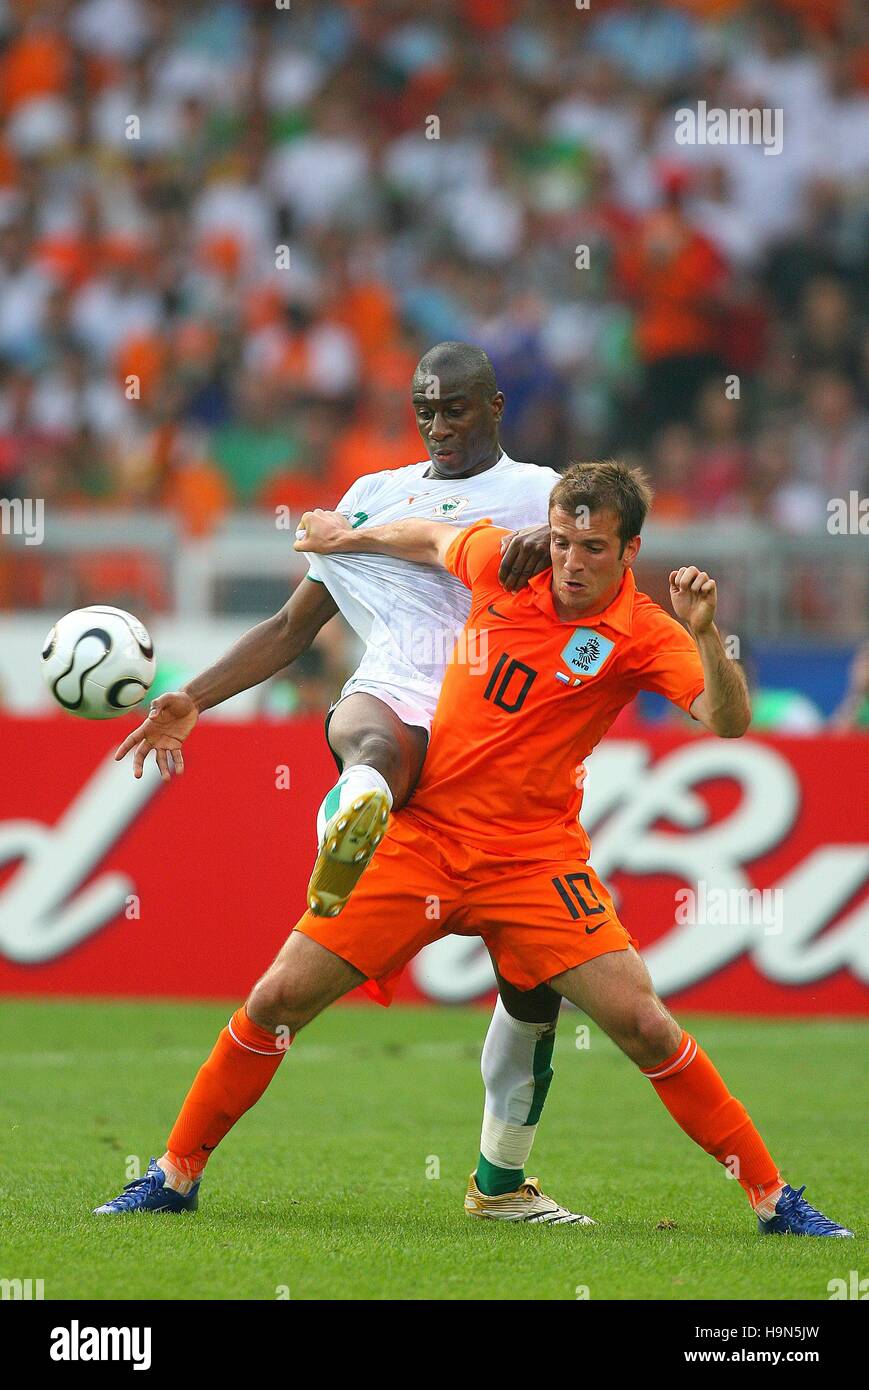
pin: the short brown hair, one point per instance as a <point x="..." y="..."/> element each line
<point x="607" y="485"/>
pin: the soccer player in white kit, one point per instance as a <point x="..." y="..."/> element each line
<point x="408" y="617"/>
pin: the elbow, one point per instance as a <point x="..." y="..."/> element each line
<point x="292" y="640"/>
<point x="438" y="545"/>
<point x="735" y="725"/>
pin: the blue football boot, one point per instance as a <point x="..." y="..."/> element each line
<point x="795" y="1217"/>
<point x="150" y="1194"/>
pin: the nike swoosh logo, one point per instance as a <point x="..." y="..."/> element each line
<point x="493" y="609"/>
<point x="590" y="931"/>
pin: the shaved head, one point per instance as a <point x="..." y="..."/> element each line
<point x="461" y="366"/>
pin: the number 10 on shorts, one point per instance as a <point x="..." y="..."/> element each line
<point x="575" y="899"/>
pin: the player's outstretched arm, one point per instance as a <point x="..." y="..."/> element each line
<point x="329" y="533"/>
<point x="259" y="654"/>
<point x="723" y="706"/>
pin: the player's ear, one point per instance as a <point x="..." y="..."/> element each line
<point x="631" y="550"/>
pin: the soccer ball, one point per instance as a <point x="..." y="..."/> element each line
<point x="98" y="662"/>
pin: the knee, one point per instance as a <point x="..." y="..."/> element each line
<point x="539" y="1005"/>
<point x="377" y="748"/>
<point x="281" y="1000"/>
<point x="649" y="1033"/>
<point x="508" y="1057"/>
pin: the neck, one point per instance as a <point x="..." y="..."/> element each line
<point x="483" y="467"/>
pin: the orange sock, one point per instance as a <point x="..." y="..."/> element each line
<point x="701" y="1104"/>
<point x="243" y="1062"/>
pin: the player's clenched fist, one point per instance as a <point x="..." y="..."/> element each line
<point x="321" y="532"/>
<point x="693" y="596"/>
<point x="169" y="721"/>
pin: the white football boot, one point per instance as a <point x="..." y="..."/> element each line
<point x="527" y="1203"/>
<point x="349" y="840"/>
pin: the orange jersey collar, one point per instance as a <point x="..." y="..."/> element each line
<point x="618" y="614"/>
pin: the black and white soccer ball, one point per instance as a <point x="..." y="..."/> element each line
<point x="98" y="662"/>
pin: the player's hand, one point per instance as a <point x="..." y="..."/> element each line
<point x="323" y="533"/>
<point x="170" y="720"/>
<point x="523" y="555"/>
<point x="693" y="596"/>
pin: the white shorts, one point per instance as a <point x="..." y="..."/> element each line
<point x="411" y="706"/>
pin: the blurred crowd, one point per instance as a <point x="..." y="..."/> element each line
<point x="228" y="230"/>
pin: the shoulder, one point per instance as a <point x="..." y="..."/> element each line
<point x="386" y="480"/>
<point x="648" y="613"/>
<point x="653" y="628"/>
<point x="538" y="474"/>
<point x="523" y="489"/>
<point x="396" y="477"/>
<point x="662" y="655"/>
<point x="475" y="552"/>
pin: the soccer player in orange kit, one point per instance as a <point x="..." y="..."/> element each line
<point x="491" y="836"/>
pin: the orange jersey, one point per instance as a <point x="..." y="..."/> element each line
<point x="528" y="695"/>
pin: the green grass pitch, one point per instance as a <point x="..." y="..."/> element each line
<point x="324" y="1190"/>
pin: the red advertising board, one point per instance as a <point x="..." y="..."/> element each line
<point x="741" y="865"/>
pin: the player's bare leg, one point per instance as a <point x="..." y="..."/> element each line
<point x="517" y="1070"/>
<point x="302" y="981"/>
<point x="381" y="758"/>
<point x="616" y="991"/>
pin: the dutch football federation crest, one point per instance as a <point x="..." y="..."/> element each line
<point x="587" y="651"/>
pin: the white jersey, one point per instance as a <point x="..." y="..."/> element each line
<point x="408" y="615"/>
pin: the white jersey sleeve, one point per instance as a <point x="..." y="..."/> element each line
<point x="354" y="499"/>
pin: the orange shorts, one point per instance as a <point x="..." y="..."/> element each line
<point x="537" y="917"/>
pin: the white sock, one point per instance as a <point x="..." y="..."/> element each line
<point x="765" y="1208"/>
<point x="359" y="777"/>
<point x="178" y="1181"/>
<point x="516" y="1068"/>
